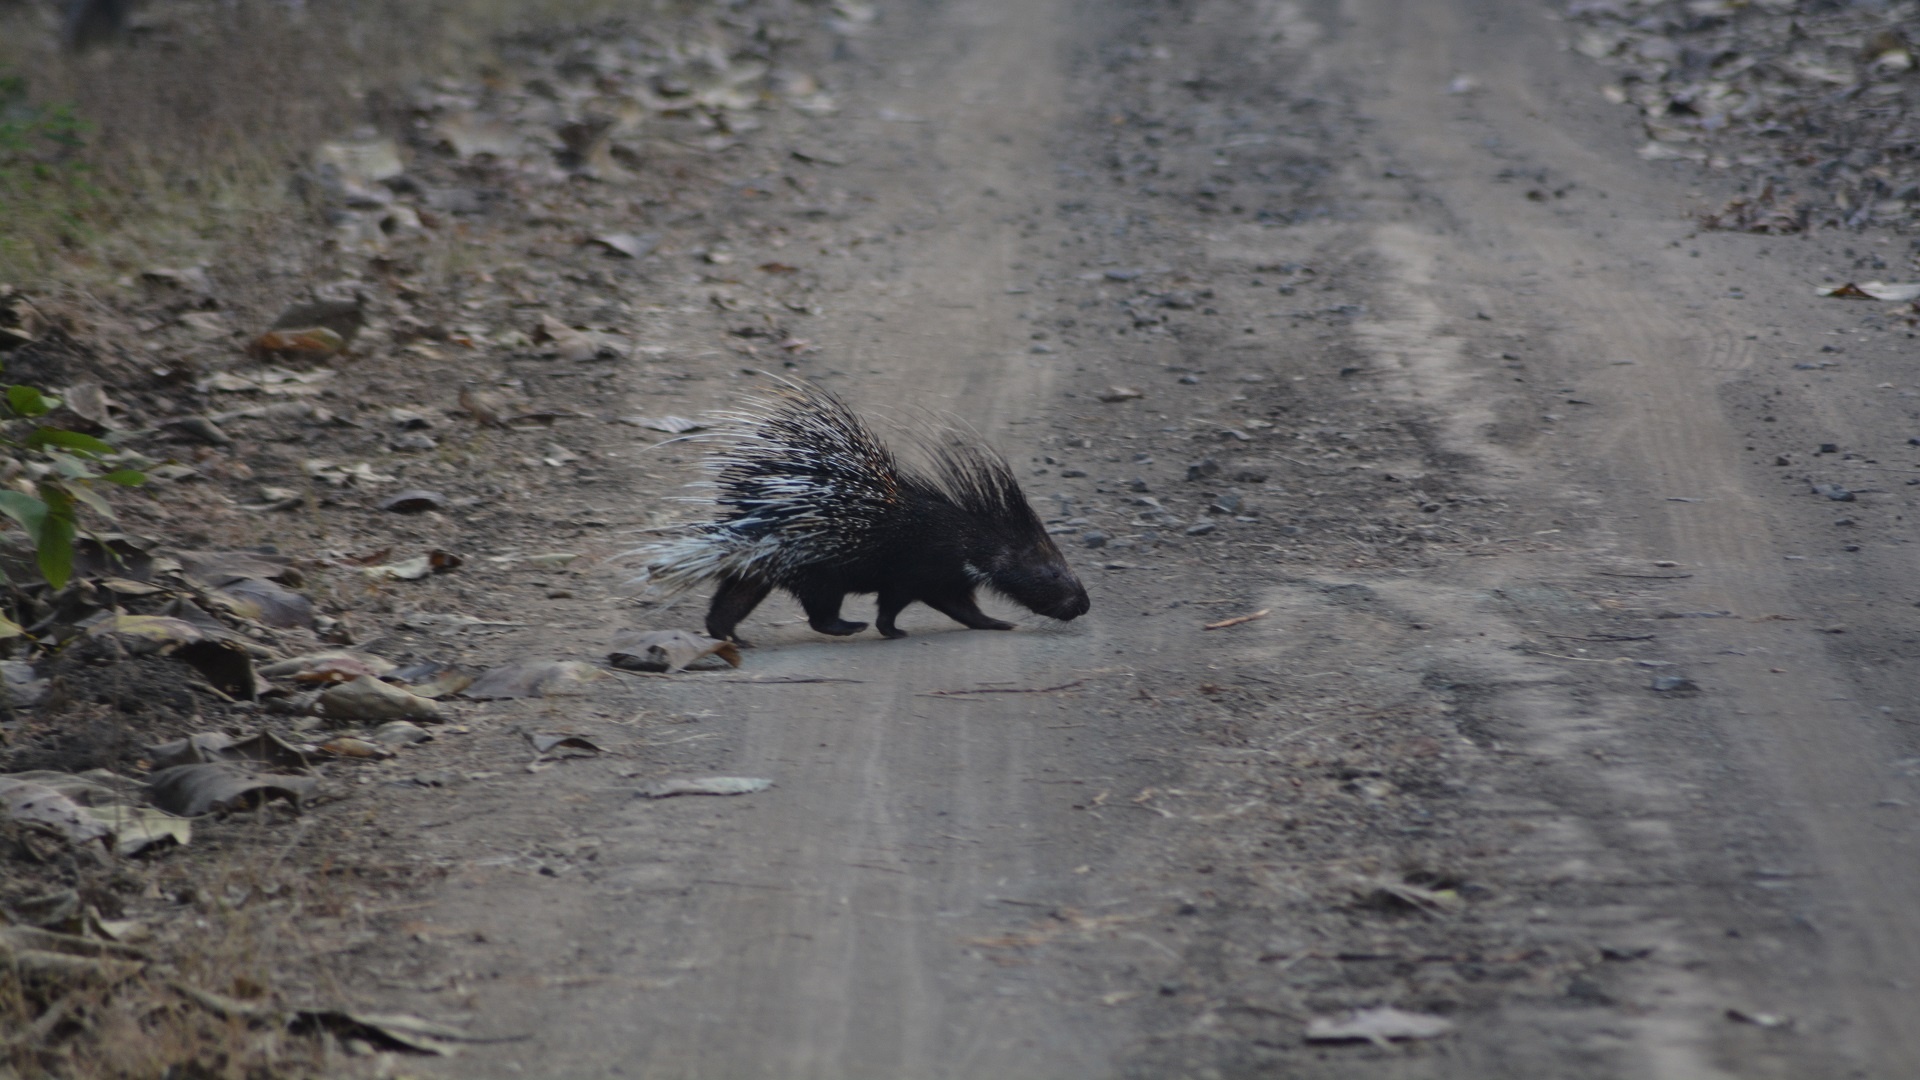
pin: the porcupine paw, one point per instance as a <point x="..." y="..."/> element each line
<point x="892" y="632"/>
<point x="839" y="627"/>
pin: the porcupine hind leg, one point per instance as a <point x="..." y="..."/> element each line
<point x="822" y="605"/>
<point x="891" y="605"/>
<point x="961" y="609"/>
<point x="733" y="601"/>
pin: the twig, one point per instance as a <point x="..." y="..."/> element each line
<point x="759" y="679"/>
<point x="1237" y="620"/>
<point x="1005" y="690"/>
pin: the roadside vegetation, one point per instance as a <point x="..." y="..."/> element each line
<point x="186" y="130"/>
<point x="160" y="174"/>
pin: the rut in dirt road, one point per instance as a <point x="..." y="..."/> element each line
<point x="1515" y="717"/>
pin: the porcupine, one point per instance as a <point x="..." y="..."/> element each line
<point x="817" y="505"/>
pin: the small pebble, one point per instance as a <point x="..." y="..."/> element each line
<point x="1094" y="538"/>
<point x="1201" y="529"/>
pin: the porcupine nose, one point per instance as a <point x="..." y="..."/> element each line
<point x="1075" y="604"/>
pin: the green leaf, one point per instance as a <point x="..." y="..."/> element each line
<point x="92" y="500"/>
<point x="72" y="440"/>
<point x="29" y="401"/>
<point x="55" y="550"/>
<point x="53" y="543"/>
<point x="23" y="508"/>
<point x="70" y="467"/>
<point x="125" y="477"/>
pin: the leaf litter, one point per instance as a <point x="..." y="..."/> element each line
<point x="198" y="642"/>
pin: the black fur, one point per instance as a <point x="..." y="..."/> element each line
<point x="935" y="537"/>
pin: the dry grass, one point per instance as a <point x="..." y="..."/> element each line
<point x="268" y="917"/>
<point x="194" y="122"/>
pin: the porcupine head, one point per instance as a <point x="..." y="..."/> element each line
<point x="815" y="504"/>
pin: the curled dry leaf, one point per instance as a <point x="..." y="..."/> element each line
<point x="1378" y="1026"/>
<point x="24" y="686"/>
<point x="39" y="806"/>
<point x="672" y="425"/>
<point x="263" y="601"/>
<point x="342" y="318"/>
<point x="218" y="787"/>
<point x="309" y="344"/>
<point x="135" y="829"/>
<point x="192" y="750"/>
<point x="338" y="475"/>
<point x="225" y="665"/>
<point x="667" y="650"/>
<point x="564" y="341"/>
<point x="112" y="802"/>
<point x="412" y="501"/>
<point x="1897" y="293"/>
<point x="140" y="634"/>
<point x="1771" y="1021"/>
<point x="269" y="380"/>
<point x="627" y="245"/>
<point x="412" y="569"/>
<point x="546" y="744"/>
<point x="388" y="1031"/>
<point x="705" y="785"/>
<point x="401" y="733"/>
<point x="431" y="679"/>
<point x="534" y="678"/>
<point x="369" y="699"/>
<point x="1397" y="895"/>
<point x="335" y="665"/>
<point x="355" y="747"/>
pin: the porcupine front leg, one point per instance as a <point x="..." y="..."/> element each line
<point x="961" y="609"/>
<point x="822" y="606"/>
<point x="733" y="601"/>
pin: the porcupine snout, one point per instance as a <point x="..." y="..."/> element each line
<point x="1043" y="583"/>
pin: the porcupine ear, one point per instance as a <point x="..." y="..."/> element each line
<point x="982" y="483"/>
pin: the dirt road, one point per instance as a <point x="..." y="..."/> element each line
<point x="1573" y="718"/>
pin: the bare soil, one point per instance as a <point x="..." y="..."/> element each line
<point x="1569" y="708"/>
